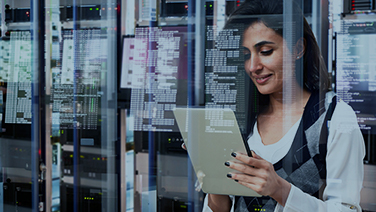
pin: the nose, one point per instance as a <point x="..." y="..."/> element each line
<point x="253" y="64"/>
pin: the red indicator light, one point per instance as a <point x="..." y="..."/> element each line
<point x="27" y="13"/>
<point x="186" y="6"/>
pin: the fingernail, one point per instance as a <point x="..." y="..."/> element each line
<point x="233" y="154"/>
<point x="227" y="163"/>
<point x="253" y="152"/>
<point x="236" y="180"/>
<point x="229" y="175"/>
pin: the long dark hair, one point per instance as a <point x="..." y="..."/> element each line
<point x="312" y="70"/>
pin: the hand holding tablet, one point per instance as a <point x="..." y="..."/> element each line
<point x="212" y="136"/>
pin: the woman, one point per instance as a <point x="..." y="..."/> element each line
<point x="297" y="164"/>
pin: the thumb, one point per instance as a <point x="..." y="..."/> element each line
<point x="183" y="146"/>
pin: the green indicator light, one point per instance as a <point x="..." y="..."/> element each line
<point x="92" y="104"/>
<point x="97" y="8"/>
<point x="211" y="5"/>
<point x="91" y="8"/>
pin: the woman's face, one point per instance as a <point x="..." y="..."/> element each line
<point x="263" y="56"/>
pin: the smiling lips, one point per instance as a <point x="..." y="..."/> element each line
<point x="262" y="79"/>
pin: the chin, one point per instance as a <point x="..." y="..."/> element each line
<point x="269" y="88"/>
<point x="263" y="90"/>
<point x="265" y="93"/>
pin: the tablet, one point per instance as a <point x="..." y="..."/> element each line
<point x="211" y="135"/>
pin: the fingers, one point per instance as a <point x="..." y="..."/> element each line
<point x="254" y="173"/>
<point x="254" y="187"/>
<point x="238" y="177"/>
<point x="255" y="155"/>
<point x="242" y="167"/>
<point x="250" y="166"/>
<point x="255" y="161"/>
<point x="251" y="182"/>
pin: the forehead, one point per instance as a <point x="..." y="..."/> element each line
<point x="258" y="32"/>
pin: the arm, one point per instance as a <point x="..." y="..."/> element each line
<point x="344" y="171"/>
<point x="219" y="202"/>
<point x="215" y="202"/>
<point x="344" y="163"/>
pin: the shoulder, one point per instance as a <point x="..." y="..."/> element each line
<point x="344" y="120"/>
<point x="344" y="115"/>
<point x="344" y="130"/>
<point x="342" y="111"/>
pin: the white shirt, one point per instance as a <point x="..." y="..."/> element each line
<point x="273" y="152"/>
<point x="344" y="164"/>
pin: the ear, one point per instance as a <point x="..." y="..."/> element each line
<point x="299" y="49"/>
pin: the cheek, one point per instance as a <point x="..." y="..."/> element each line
<point x="275" y="63"/>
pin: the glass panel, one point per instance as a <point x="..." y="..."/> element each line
<point x="125" y="105"/>
<point x="255" y="70"/>
<point x="19" y="172"/>
<point x="155" y="68"/>
<point x="81" y="83"/>
<point x="353" y="64"/>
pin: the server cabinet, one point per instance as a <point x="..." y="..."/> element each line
<point x="58" y="106"/>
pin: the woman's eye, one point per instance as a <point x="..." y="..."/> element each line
<point x="267" y="52"/>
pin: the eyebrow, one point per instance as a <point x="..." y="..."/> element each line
<point x="262" y="43"/>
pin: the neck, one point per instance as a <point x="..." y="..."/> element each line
<point x="293" y="103"/>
